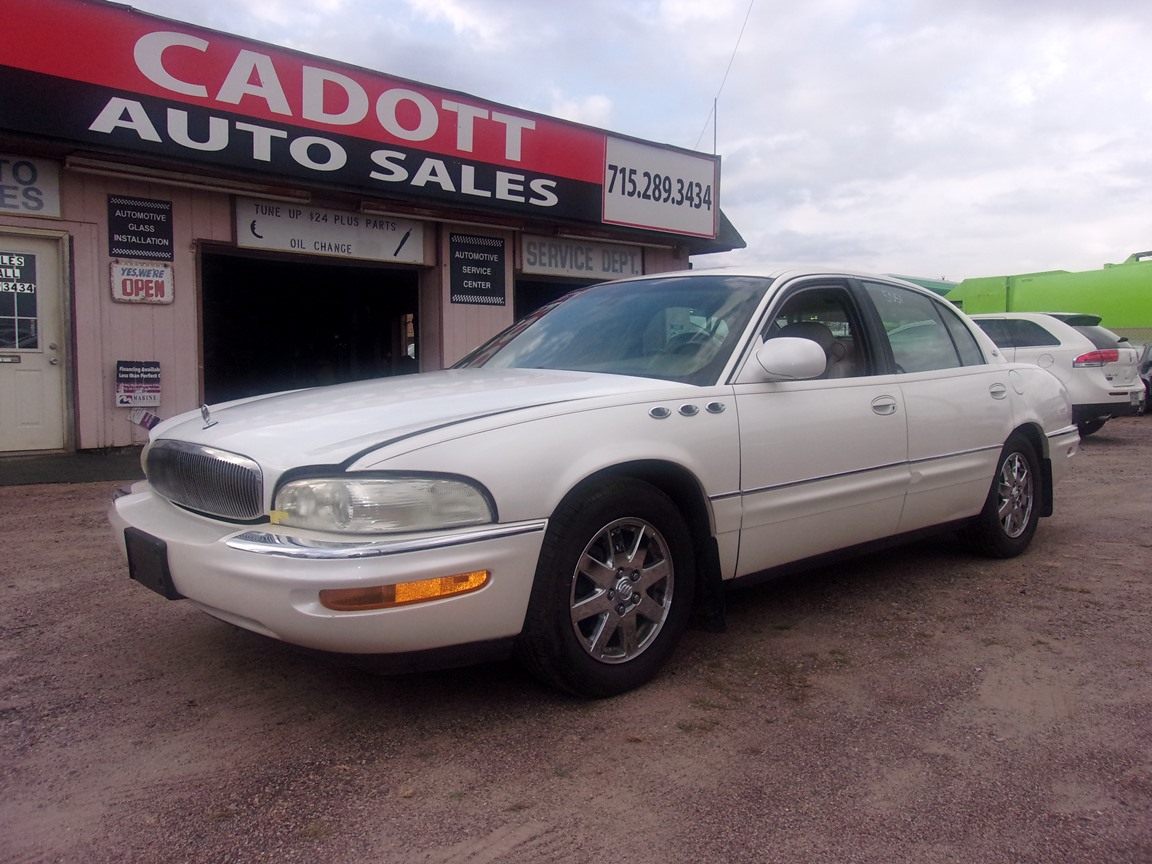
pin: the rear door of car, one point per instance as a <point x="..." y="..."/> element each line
<point x="1039" y="345"/>
<point x="824" y="461"/>
<point x="1026" y="341"/>
<point x="1050" y="344"/>
<point x="958" y="405"/>
<point x="998" y="331"/>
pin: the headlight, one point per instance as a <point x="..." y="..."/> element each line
<point x="382" y="505"/>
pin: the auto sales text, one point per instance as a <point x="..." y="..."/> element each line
<point x="400" y="113"/>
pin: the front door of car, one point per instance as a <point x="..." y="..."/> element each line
<point x="958" y="406"/>
<point x="823" y="461"/>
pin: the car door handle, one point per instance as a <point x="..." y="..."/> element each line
<point x="998" y="391"/>
<point x="884" y="405"/>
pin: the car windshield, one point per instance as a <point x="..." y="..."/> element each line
<point x="679" y="328"/>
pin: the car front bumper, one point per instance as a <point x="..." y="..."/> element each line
<point x="269" y="581"/>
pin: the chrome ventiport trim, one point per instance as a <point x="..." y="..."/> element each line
<point x="288" y="546"/>
<point x="206" y="479"/>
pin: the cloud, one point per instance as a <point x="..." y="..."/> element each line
<point x="922" y="137"/>
<point x="595" y="109"/>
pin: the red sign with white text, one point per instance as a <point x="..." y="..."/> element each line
<point x="146" y="84"/>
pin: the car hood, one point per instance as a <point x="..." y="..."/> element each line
<point x="332" y="424"/>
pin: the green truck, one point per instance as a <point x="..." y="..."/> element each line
<point x="1121" y="294"/>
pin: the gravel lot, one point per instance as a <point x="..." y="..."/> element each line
<point x="917" y="706"/>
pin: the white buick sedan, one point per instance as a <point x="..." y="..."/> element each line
<point x="580" y="489"/>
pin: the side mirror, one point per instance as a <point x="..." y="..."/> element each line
<point x="785" y="358"/>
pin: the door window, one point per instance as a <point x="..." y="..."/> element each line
<point x="997" y="330"/>
<point x="1029" y="334"/>
<point x="924" y="334"/>
<point x="827" y="316"/>
<point x="18" y="314"/>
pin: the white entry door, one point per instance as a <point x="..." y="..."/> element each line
<point x="32" y="342"/>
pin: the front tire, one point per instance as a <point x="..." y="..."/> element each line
<point x="1011" y="512"/>
<point x="613" y="590"/>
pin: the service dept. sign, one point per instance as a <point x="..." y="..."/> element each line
<point x="554" y="256"/>
<point x="142" y="283"/>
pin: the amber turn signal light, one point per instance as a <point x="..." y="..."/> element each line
<point x="387" y="596"/>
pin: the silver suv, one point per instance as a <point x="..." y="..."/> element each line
<point x="1098" y="367"/>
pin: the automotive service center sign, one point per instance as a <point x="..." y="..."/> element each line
<point x="149" y="85"/>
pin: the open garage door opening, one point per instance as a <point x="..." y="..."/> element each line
<point x="532" y="294"/>
<point x="273" y="324"/>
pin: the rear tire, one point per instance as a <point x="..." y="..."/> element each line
<point x="1011" y="512"/>
<point x="613" y="590"/>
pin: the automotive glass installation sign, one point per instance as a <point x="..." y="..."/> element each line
<point x="139" y="228"/>
<point x="150" y="85"/>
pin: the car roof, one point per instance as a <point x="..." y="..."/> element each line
<point x="1064" y="325"/>
<point x="1048" y="319"/>
<point x="1074" y="319"/>
<point x="783" y="272"/>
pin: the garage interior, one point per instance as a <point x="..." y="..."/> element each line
<point x="530" y="295"/>
<point x="271" y="324"/>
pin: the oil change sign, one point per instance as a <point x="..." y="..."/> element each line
<point x="321" y="231"/>
<point x="154" y="87"/>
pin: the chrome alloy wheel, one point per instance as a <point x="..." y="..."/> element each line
<point x="622" y="591"/>
<point x="1017" y="495"/>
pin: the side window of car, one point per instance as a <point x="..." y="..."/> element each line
<point x="966" y="345"/>
<point x="997" y="330"/>
<point x="923" y="334"/>
<point x="1029" y="334"/>
<point x="827" y="315"/>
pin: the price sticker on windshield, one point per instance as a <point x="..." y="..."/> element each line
<point x="664" y="190"/>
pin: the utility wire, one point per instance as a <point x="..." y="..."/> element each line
<point x="712" y="114"/>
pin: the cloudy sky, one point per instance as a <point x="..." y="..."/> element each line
<point x="933" y="138"/>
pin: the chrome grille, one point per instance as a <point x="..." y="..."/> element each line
<point x="207" y="480"/>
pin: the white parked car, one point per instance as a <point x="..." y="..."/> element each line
<point x="1099" y="368"/>
<point x="581" y="487"/>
